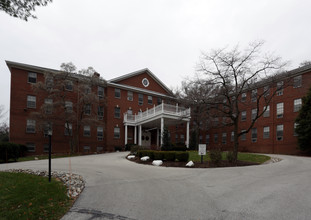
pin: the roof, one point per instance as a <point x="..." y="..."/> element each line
<point x="138" y="72"/>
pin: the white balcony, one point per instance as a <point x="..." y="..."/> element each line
<point x="170" y="111"/>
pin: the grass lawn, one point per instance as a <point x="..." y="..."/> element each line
<point x="193" y="155"/>
<point x="25" y="196"/>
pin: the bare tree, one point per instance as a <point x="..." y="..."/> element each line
<point x="60" y="109"/>
<point x="22" y="9"/>
<point x="228" y="74"/>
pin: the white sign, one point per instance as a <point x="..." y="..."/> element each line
<point x="202" y="149"/>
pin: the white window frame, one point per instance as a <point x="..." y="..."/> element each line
<point x="254" y="135"/>
<point x="280" y="110"/>
<point x="100" y="92"/>
<point x="30" y="126"/>
<point x="297" y="81"/>
<point x="149" y="99"/>
<point x="31" y="101"/>
<point x="130" y="95"/>
<point x="117" y="93"/>
<point x="86" y="130"/>
<point x="31" y="145"/>
<point x="266" y="132"/>
<point x="243" y="116"/>
<point x="68" y="106"/>
<point x="116" y="133"/>
<point x="280" y="132"/>
<point x="32" y="76"/>
<point x="224" y="138"/>
<point x="69" y="128"/>
<point x="279" y="88"/>
<point x="267" y="112"/>
<point x="297" y="104"/>
<point x="100" y="133"/>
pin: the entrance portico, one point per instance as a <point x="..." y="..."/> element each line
<point x="156" y="118"/>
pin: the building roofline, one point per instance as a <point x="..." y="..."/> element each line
<point x="153" y="76"/>
<point x="136" y="89"/>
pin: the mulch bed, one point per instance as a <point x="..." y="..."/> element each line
<point x="205" y="164"/>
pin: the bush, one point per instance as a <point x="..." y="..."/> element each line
<point x="143" y="153"/>
<point x="136" y="148"/>
<point x="230" y="157"/>
<point x="158" y="155"/>
<point x="118" y="148"/>
<point x="182" y="156"/>
<point x="180" y="148"/>
<point x="215" y="156"/>
<point x="169" y="155"/>
<point x="166" y="148"/>
<point x="11" y="151"/>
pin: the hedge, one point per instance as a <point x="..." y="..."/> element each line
<point x="11" y="151"/>
<point x="164" y="155"/>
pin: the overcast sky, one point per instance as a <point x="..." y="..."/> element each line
<point x="167" y="36"/>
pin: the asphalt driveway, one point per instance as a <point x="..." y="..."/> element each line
<point x="119" y="189"/>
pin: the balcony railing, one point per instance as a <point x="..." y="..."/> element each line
<point x="173" y="110"/>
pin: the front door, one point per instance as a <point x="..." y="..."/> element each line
<point x="146" y="139"/>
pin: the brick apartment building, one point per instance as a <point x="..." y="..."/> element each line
<point x="135" y="108"/>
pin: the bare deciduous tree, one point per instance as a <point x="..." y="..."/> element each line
<point x="227" y="74"/>
<point x="60" y="109"/>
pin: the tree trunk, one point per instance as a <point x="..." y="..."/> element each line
<point x="236" y="143"/>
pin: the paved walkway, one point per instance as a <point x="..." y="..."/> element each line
<point x="119" y="189"/>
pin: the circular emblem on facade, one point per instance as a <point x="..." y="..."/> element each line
<point x="145" y="82"/>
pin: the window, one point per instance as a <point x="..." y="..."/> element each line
<point x="297" y="81"/>
<point x="149" y="99"/>
<point x="117" y="112"/>
<point x="279" y="110"/>
<point x="159" y="101"/>
<point x="267" y="111"/>
<point x="49" y="82"/>
<point x="130" y="112"/>
<point x="100" y="112"/>
<point x="68" y="129"/>
<point x="117" y="93"/>
<point x="295" y="126"/>
<point x="129" y="95"/>
<point x="68" y="106"/>
<point x="232" y="136"/>
<point x="279" y="132"/>
<point x="216" y="121"/>
<point x="46" y="127"/>
<point x="243" y="136"/>
<point x="200" y="139"/>
<point x="207" y="139"/>
<point x="140" y="99"/>
<point x="32" y="77"/>
<point x="254" y="113"/>
<point x="254" y="95"/>
<point x="266" y="91"/>
<point x="31" y="126"/>
<point x="243" y="97"/>
<point x="243" y="116"/>
<point x="215" y="138"/>
<point x="87" y="89"/>
<point x="69" y="85"/>
<point x="182" y="138"/>
<point x="87" y="130"/>
<point x="46" y="148"/>
<point x="99" y="149"/>
<point x="224" y="138"/>
<point x="87" y="109"/>
<point x="176" y="138"/>
<point x="116" y="132"/>
<point x="48" y="106"/>
<point x="266" y="132"/>
<point x="297" y="105"/>
<point x="279" y="88"/>
<point x="100" y="133"/>
<point x="86" y="149"/>
<point x="100" y="92"/>
<point x="31" y="101"/>
<point x="31" y="147"/>
<point x="254" y="135"/>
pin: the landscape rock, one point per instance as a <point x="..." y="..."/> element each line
<point x="190" y="164"/>
<point x="145" y="158"/>
<point x="157" y="162"/>
<point x="131" y="157"/>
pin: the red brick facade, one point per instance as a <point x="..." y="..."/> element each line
<point x="157" y="91"/>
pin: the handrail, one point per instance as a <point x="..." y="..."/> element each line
<point x="157" y="110"/>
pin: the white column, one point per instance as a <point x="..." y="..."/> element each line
<point x="176" y="107"/>
<point x="162" y="130"/>
<point x="139" y="135"/>
<point x="135" y="134"/>
<point x="158" y="137"/>
<point x="125" y="134"/>
<point x="187" y="144"/>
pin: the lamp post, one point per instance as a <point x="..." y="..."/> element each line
<point x="50" y="150"/>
